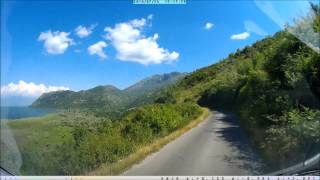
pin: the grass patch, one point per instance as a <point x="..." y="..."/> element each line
<point x="45" y="131"/>
<point x="42" y="128"/>
<point x="140" y="154"/>
<point x="35" y="139"/>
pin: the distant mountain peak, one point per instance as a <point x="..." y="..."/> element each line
<point x="104" y="88"/>
<point x="156" y="80"/>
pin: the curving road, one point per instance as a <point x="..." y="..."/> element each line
<point x="217" y="146"/>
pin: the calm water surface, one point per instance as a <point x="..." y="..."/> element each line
<point x="24" y="112"/>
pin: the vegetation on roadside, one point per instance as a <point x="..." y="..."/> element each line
<point x="77" y="143"/>
<point x="141" y="152"/>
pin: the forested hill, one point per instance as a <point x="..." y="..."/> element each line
<point x="281" y="64"/>
<point x="273" y="86"/>
<point x="100" y="96"/>
<point x="109" y="96"/>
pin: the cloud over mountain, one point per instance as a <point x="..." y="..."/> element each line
<point x="26" y="89"/>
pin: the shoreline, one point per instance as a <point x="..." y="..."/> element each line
<point x="24" y="114"/>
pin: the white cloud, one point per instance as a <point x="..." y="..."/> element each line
<point x="208" y="25"/>
<point x="150" y="16"/>
<point x="240" y="36"/>
<point x="97" y="49"/>
<point x="83" y="31"/>
<point x="55" y="42"/>
<point x="132" y="45"/>
<point x="28" y="89"/>
<point x="250" y="26"/>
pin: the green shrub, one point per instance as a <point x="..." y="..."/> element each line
<point x="288" y="142"/>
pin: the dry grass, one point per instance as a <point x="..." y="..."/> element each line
<point x="134" y="158"/>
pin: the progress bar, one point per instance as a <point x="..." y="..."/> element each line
<point x="160" y="178"/>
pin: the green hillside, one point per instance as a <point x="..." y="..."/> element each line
<point x="273" y="86"/>
<point x="102" y="96"/>
<point x="153" y="82"/>
<point x="147" y="90"/>
<point x="109" y="97"/>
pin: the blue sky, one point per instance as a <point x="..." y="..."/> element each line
<point x="40" y="44"/>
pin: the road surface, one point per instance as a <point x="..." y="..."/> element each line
<point x="217" y="146"/>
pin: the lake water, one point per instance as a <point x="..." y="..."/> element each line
<point x="24" y="112"/>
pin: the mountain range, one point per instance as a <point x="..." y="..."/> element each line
<point x="108" y="96"/>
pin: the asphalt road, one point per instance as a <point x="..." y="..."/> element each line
<point x="217" y="146"/>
